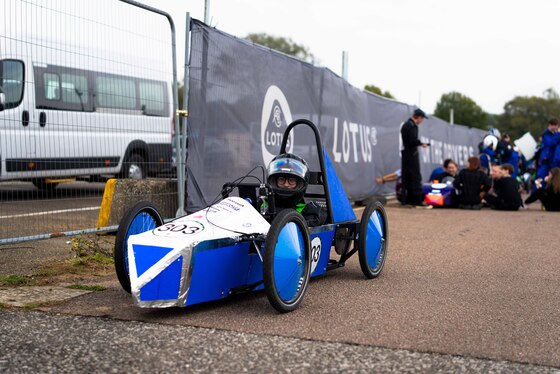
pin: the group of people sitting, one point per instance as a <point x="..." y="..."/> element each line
<point x="499" y="189"/>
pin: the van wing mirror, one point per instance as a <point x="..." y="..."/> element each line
<point x="2" y="99"/>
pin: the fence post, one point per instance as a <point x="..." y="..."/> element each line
<point x="180" y="186"/>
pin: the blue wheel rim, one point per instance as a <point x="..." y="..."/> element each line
<point x="289" y="262"/>
<point x="375" y="239"/>
<point x="142" y="222"/>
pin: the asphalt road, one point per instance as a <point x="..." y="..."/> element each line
<point x="462" y="291"/>
<point x="26" y="211"/>
<point x="46" y="343"/>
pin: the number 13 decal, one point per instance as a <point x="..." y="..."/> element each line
<point x="315" y="253"/>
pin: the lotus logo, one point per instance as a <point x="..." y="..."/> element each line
<point x="275" y="118"/>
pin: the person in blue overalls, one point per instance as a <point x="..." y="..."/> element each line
<point x="556" y="158"/>
<point x="508" y="154"/>
<point x="548" y="148"/>
<point x="488" y="155"/>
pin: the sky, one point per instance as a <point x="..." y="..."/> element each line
<point x="488" y="50"/>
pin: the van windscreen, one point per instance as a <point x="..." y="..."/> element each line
<point x="11" y="81"/>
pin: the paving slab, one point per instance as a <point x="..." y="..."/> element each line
<point x="34" y="295"/>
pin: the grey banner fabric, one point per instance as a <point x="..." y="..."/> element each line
<point x="243" y="96"/>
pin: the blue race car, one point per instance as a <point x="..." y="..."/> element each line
<point x="231" y="247"/>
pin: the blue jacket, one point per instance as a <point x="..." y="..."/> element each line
<point x="513" y="159"/>
<point x="556" y="157"/>
<point x="487" y="155"/>
<point x="548" y="146"/>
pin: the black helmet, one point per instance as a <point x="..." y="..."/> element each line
<point x="288" y="165"/>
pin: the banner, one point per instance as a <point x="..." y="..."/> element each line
<point x="243" y="96"/>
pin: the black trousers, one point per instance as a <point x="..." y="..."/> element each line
<point x="411" y="177"/>
<point x="498" y="203"/>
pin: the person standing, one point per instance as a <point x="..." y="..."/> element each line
<point x="410" y="160"/>
<point x="548" y="147"/>
<point x="508" y="154"/>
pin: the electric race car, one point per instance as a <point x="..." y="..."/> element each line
<point x="231" y="247"/>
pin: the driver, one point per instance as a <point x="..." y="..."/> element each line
<point x="288" y="176"/>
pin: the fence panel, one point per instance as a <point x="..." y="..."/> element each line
<point x="87" y="95"/>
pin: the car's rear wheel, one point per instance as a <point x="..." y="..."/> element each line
<point x="373" y="240"/>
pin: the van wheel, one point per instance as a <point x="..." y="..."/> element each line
<point x="133" y="167"/>
<point x="42" y="185"/>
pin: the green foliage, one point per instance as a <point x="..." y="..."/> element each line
<point x="287" y="46"/>
<point x="91" y="250"/>
<point x="88" y="245"/>
<point x="15" y="280"/>
<point x="378" y="91"/>
<point x="529" y="113"/>
<point x="465" y="110"/>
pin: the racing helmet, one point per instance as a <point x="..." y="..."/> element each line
<point x="495" y="132"/>
<point x="288" y="165"/>
<point x="490" y="141"/>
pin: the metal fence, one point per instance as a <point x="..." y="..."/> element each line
<point x="88" y="93"/>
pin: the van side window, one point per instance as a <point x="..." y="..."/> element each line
<point x="116" y="93"/>
<point x="152" y="98"/>
<point x="11" y="81"/>
<point x="51" y="84"/>
<point x="74" y="89"/>
<point x="65" y="88"/>
<point x="62" y="89"/>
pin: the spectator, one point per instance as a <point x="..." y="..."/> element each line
<point x="548" y="192"/>
<point x="394" y="176"/>
<point x="449" y="173"/>
<point x="437" y="171"/>
<point x="389" y="177"/>
<point x="508" y="154"/>
<point x="556" y="158"/>
<point x="548" y="147"/>
<point x="470" y="184"/>
<point x="488" y="154"/>
<point x="504" y="194"/>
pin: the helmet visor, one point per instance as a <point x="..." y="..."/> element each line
<point x="287" y="166"/>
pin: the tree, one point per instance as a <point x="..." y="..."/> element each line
<point x="378" y="91"/>
<point x="529" y="113"/>
<point x="287" y="46"/>
<point x="465" y="110"/>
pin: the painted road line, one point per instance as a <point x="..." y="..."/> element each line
<point x="51" y="212"/>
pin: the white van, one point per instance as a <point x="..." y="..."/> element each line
<point x="64" y="116"/>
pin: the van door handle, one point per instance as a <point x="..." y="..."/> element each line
<point x="42" y="119"/>
<point x="25" y="118"/>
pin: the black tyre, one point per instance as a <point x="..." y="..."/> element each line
<point x="373" y="240"/>
<point x="142" y="217"/>
<point x="286" y="263"/>
<point x="134" y="167"/>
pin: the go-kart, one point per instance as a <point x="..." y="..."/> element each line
<point x="236" y="246"/>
